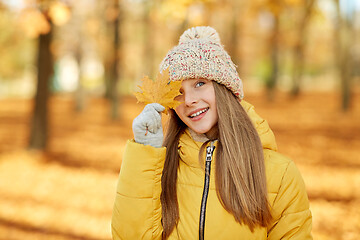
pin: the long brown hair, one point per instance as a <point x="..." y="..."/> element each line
<point x="240" y="169"/>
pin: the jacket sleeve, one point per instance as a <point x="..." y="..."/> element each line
<point x="291" y="213"/>
<point x="137" y="207"/>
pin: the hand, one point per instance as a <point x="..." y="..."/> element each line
<point x="147" y="126"/>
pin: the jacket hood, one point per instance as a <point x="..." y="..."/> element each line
<point x="262" y="127"/>
<point x="190" y="142"/>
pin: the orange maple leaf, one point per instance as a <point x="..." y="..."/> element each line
<point x="162" y="91"/>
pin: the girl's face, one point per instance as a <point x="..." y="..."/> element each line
<point x="198" y="107"/>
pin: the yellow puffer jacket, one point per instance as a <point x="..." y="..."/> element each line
<point x="137" y="208"/>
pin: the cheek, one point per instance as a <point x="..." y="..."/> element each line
<point x="179" y="110"/>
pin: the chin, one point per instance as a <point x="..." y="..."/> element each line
<point x="200" y="131"/>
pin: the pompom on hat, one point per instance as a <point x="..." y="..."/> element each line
<point x="200" y="54"/>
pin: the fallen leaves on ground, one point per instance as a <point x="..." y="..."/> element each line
<point x="67" y="193"/>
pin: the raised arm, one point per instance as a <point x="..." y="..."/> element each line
<point x="137" y="207"/>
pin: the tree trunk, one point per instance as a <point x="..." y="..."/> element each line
<point x="77" y="48"/>
<point x="344" y="36"/>
<point x="108" y="63"/>
<point x="39" y="124"/>
<point x="300" y="47"/>
<point x="114" y="73"/>
<point x="182" y="28"/>
<point x="149" y="44"/>
<point x="274" y="59"/>
<point x="235" y="39"/>
<point x="80" y="92"/>
<point x="298" y="67"/>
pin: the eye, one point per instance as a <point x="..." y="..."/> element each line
<point x="199" y="84"/>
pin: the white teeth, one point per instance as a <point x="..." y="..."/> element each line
<point x="198" y="113"/>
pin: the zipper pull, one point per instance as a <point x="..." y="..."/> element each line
<point x="209" y="151"/>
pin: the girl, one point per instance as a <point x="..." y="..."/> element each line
<point x="217" y="174"/>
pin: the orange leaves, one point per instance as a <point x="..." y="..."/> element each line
<point x="161" y="91"/>
<point x="278" y="7"/>
<point x="59" y="13"/>
<point x="35" y="22"/>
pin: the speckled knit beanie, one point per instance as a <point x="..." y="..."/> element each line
<point x="201" y="55"/>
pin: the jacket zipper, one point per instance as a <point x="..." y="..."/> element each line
<point x="209" y="154"/>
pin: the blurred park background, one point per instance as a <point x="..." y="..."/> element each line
<point x="68" y="69"/>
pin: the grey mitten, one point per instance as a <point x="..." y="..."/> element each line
<point x="147" y="126"/>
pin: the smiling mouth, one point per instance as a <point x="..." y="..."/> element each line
<point x="198" y="113"/>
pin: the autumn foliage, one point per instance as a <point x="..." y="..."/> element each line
<point x="304" y="48"/>
<point x="162" y="91"/>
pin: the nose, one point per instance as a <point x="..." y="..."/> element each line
<point x="190" y="98"/>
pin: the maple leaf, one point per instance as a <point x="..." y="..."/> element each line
<point x="161" y="91"/>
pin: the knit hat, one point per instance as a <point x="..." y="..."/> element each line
<point x="200" y="54"/>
